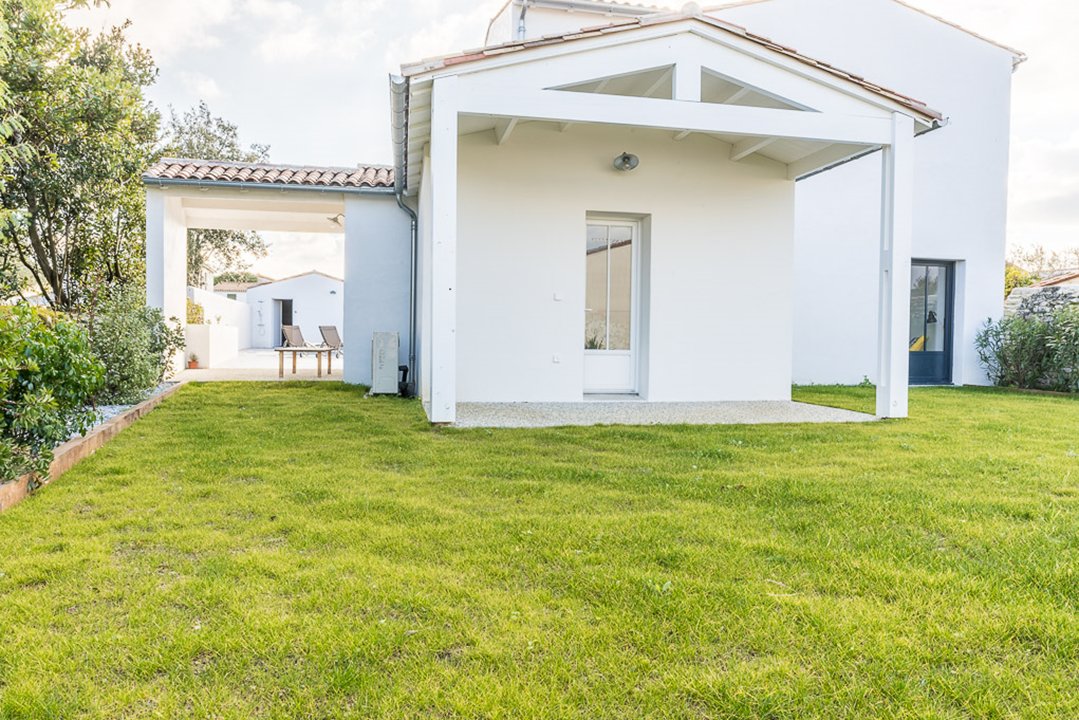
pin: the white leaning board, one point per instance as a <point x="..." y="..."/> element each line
<point x="384" y="349"/>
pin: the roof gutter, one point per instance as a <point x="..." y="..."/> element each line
<point x="244" y="185"/>
<point x="935" y="125"/>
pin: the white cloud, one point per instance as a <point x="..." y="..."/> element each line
<point x="294" y="253"/>
<point x="281" y="10"/>
<point x="201" y="86"/>
<point x="339" y="31"/>
<point x="166" y="27"/>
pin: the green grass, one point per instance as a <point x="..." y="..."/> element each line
<point x="298" y="551"/>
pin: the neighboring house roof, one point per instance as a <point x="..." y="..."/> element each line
<point x="195" y="171"/>
<point x="631" y="24"/>
<point x="237" y="286"/>
<point x="300" y="275"/>
<point x="1071" y="278"/>
<point x="1020" y="56"/>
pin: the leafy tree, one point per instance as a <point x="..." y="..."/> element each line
<point x="1043" y="263"/>
<point x="1014" y="277"/>
<point x="237" y="277"/>
<point x="197" y="133"/>
<point x="73" y="198"/>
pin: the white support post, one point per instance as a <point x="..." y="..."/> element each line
<point x="166" y="257"/>
<point x="444" y="112"/>
<point x="896" y="234"/>
<point x="687" y="81"/>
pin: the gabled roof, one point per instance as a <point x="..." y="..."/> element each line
<point x="632" y="24"/>
<point x="1059" y="280"/>
<point x="296" y="277"/>
<point x="194" y="171"/>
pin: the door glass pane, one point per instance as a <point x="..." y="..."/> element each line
<point x="917" y="308"/>
<point x="935" y="308"/>
<point x="595" y="303"/>
<point x="621" y="287"/>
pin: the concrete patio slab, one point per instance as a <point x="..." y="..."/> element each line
<point x="260" y="365"/>
<point x="635" y="412"/>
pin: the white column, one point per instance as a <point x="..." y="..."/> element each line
<point x="443" y="408"/>
<point x="896" y="234"/>
<point x="166" y="256"/>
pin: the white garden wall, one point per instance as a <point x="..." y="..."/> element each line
<point x="715" y="329"/>
<point x="218" y="310"/>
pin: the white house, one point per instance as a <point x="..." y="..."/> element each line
<point x="307" y="300"/>
<point x="591" y="212"/>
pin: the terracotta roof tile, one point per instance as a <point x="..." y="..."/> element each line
<point x="189" y="170"/>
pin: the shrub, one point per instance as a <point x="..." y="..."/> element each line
<point x="1063" y="342"/>
<point x="1038" y="347"/>
<point x="47" y="376"/>
<point x="1014" y="351"/>
<point x="195" y="313"/>
<point x="134" y="343"/>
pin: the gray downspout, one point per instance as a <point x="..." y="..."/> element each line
<point x="399" y="132"/>
<point x="522" y="27"/>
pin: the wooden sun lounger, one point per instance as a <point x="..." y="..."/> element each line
<point x="295" y="344"/>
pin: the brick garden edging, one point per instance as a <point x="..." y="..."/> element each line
<point x="73" y="451"/>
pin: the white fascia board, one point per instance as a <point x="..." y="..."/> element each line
<point x="557" y="106"/>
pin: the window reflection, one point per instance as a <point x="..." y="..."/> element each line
<point x="608" y="287"/>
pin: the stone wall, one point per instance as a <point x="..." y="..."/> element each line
<point x="1017" y="296"/>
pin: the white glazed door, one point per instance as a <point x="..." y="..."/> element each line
<point x="610" y="326"/>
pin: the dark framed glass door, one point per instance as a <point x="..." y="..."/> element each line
<point x="931" y="302"/>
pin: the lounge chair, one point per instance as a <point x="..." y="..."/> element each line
<point x="295" y="344"/>
<point x="293" y="336"/>
<point x="331" y="338"/>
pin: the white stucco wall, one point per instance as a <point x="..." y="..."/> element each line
<point x="377" y="261"/>
<point x="961" y="175"/>
<point x="219" y="310"/>
<point x="715" y="331"/>
<point x="313" y="304"/>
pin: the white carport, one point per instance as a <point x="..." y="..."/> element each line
<point x="183" y="194"/>
<point x="683" y="75"/>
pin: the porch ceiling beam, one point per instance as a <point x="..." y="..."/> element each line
<point x="503" y="130"/>
<point x="747" y="147"/>
<point x="825" y="157"/>
<point x="674" y="115"/>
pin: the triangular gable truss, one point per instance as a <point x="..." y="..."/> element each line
<point x="760" y="102"/>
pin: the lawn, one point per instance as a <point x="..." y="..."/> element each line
<point x="298" y="551"/>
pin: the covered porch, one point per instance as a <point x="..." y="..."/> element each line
<point x="726" y="123"/>
<point x="356" y="203"/>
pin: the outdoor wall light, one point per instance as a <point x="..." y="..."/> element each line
<point x="626" y="162"/>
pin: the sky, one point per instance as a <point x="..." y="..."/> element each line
<point x="309" y="77"/>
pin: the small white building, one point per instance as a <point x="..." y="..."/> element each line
<point x="591" y="212"/>
<point x="308" y="300"/>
